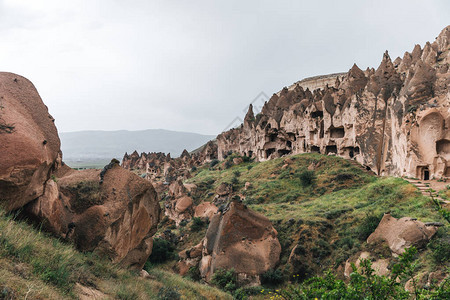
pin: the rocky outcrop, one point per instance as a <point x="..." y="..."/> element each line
<point x="402" y="233"/>
<point x="205" y="210"/>
<point x="29" y="142"/>
<point x="393" y="120"/>
<point x="241" y="239"/>
<point x="112" y="211"/>
<point x="159" y="167"/>
<point x="178" y="206"/>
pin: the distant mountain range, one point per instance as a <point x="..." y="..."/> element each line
<point x="95" y="149"/>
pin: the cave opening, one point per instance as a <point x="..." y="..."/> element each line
<point x="273" y="137"/>
<point x="322" y="131"/>
<point x="331" y="149"/>
<point x="289" y="144"/>
<point x="250" y="153"/>
<point x="426" y="174"/>
<point x="315" y="149"/>
<point x="337" y="132"/>
<point x="443" y="147"/>
<point x="269" y="152"/>
<point x="317" y="114"/>
<point x="284" y="152"/>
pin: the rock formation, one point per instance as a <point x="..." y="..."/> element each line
<point x="32" y="150"/>
<point x="159" y="167"/>
<point x="402" y="233"/>
<point x="241" y="239"/>
<point x="393" y="120"/>
<point x="178" y="206"/>
<point x="112" y="211"/>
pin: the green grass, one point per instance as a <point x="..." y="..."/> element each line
<point x="321" y="203"/>
<point x="38" y="266"/>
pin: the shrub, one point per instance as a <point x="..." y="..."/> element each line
<point x="234" y="181"/>
<point x="367" y="226"/>
<point x="307" y="178"/>
<point x="236" y="173"/>
<point x="197" y="224"/>
<point x="246" y="158"/>
<point x="363" y="284"/>
<point x="249" y="167"/>
<point x="162" y="251"/>
<point x="213" y="163"/>
<point x="168" y="293"/>
<point x="228" y="164"/>
<point x="440" y="248"/>
<point x="272" y="277"/>
<point x="225" y="279"/>
<point x="193" y="169"/>
<point x="194" y="273"/>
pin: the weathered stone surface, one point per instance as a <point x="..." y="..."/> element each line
<point x="241" y="239"/>
<point x="179" y="206"/>
<point x="32" y="149"/>
<point x="205" y="210"/>
<point x="117" y="216"/>
<point x="380" y="266"/>
<point x="159" y="167"/>
<point x="402" y="233"/>
<point x="392" y="120"/>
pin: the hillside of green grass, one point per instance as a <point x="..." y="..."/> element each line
<point x="325" y="205"/>
<point x="34" y="265"/>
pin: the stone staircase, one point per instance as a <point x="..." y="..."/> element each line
<point x="426" y="190"/>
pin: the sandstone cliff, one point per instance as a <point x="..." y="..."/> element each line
<point x="393" y="120"/>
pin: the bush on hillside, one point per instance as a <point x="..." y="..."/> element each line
<point x="307" y="178"/>
<point x="367" y="226"/>
<point x="272" y="277"/>
<point x="225" y="279"/>
<point x="162" y="251"/>
<point x="197" y="224"/>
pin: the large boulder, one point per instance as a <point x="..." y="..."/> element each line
<point x="30" y="148"/>
<point x="205" y="210"/>
<point x="402" y="233"/>
<point x="241" y="239"/>
<point x="114" y="212"/>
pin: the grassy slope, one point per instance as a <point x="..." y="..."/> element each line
<point x="37" y="266"/>
<point x="328" y="218"/>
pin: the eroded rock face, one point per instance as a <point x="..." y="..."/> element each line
<point x="160" y="167"/>
<point x="116" y="216"/>
<point x="32" y="150"/>
<point x="402" y="233"/>
<point x="241" y="239"/>
<point x="393" y="120"/>
<point x="112" y="211"/>
<point x="179" y="206"/>
<point x="205" y="210"/>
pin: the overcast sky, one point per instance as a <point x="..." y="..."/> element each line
<point x="194" y="65"/>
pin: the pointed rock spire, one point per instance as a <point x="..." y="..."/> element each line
<point x="249" y="117"/>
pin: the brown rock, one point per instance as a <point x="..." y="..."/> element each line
<point x="30" y="152"/>
<point x="237" y="160"/>
<point x="239" y="239"/>
<point x="224" y="189"/>
<point x="183" y="204"/>
<point x="117" y="217"/>
<point x="205" y="210"/>
<point x="401" y="233"/>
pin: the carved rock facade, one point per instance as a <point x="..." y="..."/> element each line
<point x="393" y="120"/>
